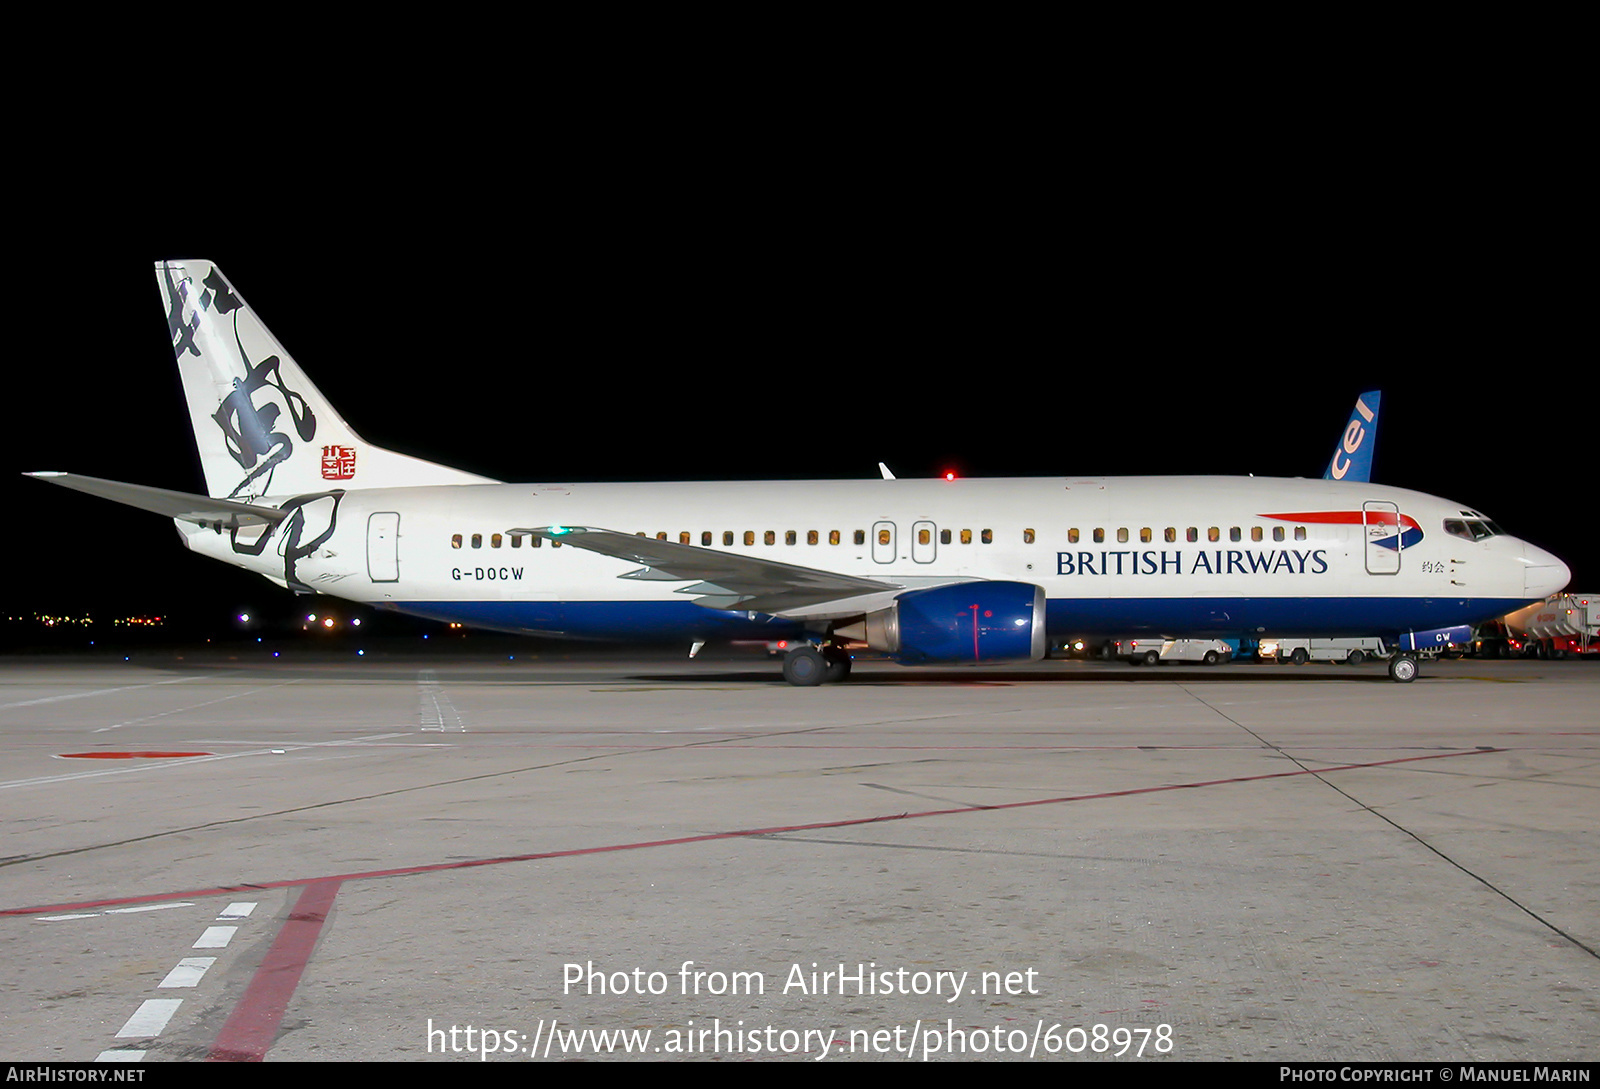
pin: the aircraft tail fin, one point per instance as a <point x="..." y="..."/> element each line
<point x="1352" y="455"/>
<point x="261" y="426"/>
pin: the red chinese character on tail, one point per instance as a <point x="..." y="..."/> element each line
<point x="338" y="462"/>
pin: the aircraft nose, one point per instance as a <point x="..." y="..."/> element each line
<point x="1542" y="573"/>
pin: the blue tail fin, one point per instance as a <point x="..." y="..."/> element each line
<point x="1352" y="456"/>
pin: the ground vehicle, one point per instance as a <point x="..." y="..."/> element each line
<point x="1152" y="651"/>
<point x="1564" y="625"/>
<point x="1301" y="651"/>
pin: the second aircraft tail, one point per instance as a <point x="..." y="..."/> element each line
<point x="1352" y="456"/>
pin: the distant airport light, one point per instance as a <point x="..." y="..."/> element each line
<point x="949" y="475"/>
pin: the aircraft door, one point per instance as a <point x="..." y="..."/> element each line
<point x="883" y="546"/>
<point x="923" y="545"/>
<point x="1380" y="528"/>
<point x="383" y="546"/>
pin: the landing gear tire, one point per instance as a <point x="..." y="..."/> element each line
<point x="838" y="660"/>
<point x="805" y="667"/>
<point x="1402" y="669"/>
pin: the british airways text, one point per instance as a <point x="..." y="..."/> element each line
<point x="1232" y="561"/>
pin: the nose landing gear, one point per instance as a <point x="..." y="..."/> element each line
<point x="1402" y="668"/>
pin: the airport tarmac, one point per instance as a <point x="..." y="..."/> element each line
<point x="602" y="856"/>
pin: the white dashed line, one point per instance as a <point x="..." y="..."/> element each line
<point x="216" y="937"/>
<point x="188" y="972"/>
<point x="150" y="1018"/>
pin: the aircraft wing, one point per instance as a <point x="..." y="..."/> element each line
<point x="726" y="581"/>
<point x="181" y="505"/>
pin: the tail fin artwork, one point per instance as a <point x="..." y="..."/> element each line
<point x="261" y="426"/>
<point x="1352" y="457"/>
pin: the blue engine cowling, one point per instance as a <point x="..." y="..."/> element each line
<point x="963" y="622"/>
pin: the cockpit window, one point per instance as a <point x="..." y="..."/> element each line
<point x="1471" y="529"/>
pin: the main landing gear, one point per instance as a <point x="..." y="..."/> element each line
<point x="808" y="665"/>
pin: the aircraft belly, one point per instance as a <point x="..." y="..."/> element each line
<point x="1220" y="616"/>
<point x="673" y="621"/>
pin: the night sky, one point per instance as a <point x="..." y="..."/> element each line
<point x="621" y="327"/>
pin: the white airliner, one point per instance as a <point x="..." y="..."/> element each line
<point x="926" y="571"/>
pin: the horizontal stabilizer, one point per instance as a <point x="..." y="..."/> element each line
<point x="200" y="509"/>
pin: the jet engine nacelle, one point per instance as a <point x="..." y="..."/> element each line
<point x="964" y="622"/>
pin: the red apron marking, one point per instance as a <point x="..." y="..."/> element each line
<point x="141" y="755"/>
<point x="253" y="1025"/>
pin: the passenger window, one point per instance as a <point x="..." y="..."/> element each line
<point x="966" y="536"/>
<point x="477" y="540"/>
<point x="1072" y="536"/>
<point x="811" y="536"/>
<point x="1099" y="535"/>
<point x="683" y="538"/>
<point x="860" y="537"/>
<point x="494" y="542"/>
<point x="1171" y="534"/>
<point x="924" y="537"/>
<point x="455" y="540"/>
<point x="1277" y="533"/>
<point x="1122" y="534"/>
<point x="705" y="539"/>
<point x="988" y="536"/>
<point x="770" y="537"/>
<point x="749" y="537"/>
<point x="1027" y="536"/>
<point x="516" y="540"/>
<point x="789" y="537"/>
<point x="1213" y="534"/>
<point x="833" y="536"/>
<point x="1193" y="534"/>
<point x="1145" y="535"/>
<point x="1235" y="534"/>
<point x="727" y="538"/>
<point x="944" y="536"/>
<point x="883" y="536"/>
<point x="1255" y="533"/>
<point x="1299" y="533"/>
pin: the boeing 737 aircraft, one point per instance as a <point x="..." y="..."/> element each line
<point x="926" y="571"/>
